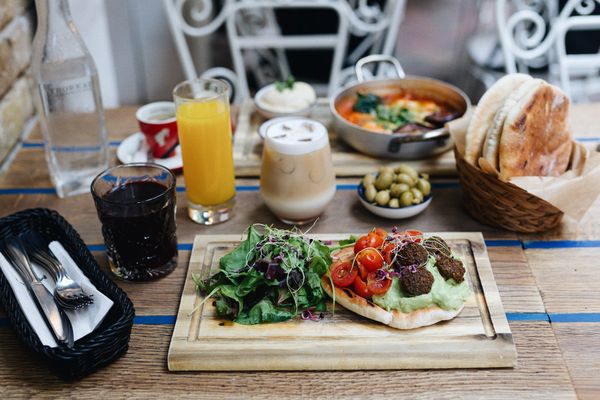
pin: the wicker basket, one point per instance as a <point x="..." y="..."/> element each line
<point x="109" y="341"/>
<point x="502" y="204"/>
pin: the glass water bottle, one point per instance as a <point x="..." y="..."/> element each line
<point x="69" y="103"/>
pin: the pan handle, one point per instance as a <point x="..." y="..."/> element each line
<point x="377" y="58"/>
<point x="438" y="134"/>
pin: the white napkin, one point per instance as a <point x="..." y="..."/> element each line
<point x="84" y="321"/>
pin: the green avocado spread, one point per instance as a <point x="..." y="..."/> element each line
<point x="448" y="295"/>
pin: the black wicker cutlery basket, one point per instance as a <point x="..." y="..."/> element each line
<point x="108" y="341"/>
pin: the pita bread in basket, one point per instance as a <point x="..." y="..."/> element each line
<point x="535" y="150"/>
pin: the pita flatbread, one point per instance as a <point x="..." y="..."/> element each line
<point x="492" y="139"/>
<point x="536" y="140"/>
<point x="486" y="110"/>
<point x="396" y="319"/>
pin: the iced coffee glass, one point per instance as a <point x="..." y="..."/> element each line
<point x="297" y="180"/>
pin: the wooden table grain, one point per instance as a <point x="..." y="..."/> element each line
<point x="548" y="283"/>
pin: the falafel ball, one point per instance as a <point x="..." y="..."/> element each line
<point x="416" y="283"/>
<point x="412" y="254"/>
<point x="437" y="246"/>
<point x="451" y="268"/>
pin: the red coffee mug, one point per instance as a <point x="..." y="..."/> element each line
<point x="157" y="123"/>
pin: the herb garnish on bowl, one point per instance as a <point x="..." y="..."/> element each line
<point x="287" y="84"/>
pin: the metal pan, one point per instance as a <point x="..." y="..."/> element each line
<point x="397" y="145"/>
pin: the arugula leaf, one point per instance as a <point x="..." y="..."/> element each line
<point x="287" y="84"/>
<point x="345" y="242"/>
<point x="229" y="291"/>
<point x="225" y="306"/>
<point x="313" y="281"/>
<point x="250" y="283"/>
<point x="366" y="103"/>
<point x="264" y="311"/>
<point x="236" y="260"/>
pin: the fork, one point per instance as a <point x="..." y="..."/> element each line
<point x="68" y="293"/>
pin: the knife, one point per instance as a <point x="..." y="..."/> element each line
<point x="55" y="317"/>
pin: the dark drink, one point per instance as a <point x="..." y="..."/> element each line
<point x="137" y="210"/>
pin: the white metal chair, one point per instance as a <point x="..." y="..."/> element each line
<point x="526" y="36"/>
<point x="379" y="27"/>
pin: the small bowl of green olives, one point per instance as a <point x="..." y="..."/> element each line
<point x="395" y="193"/>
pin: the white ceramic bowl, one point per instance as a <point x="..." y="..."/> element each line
<point x="268" y="113"/>
<point x="393" y="213"/>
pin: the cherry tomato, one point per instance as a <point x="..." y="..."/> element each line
<point x="343" y="274"/>
<point x="378" y="285"/>
<point x="360" y="244"/>
<point x="360" y="288"/>
<point x="362" y="271"/>
<point x="388" y="252"/>
<point x="370" y="259"/>
<point x="374" y="241"/>
<point x="380" y="232"/>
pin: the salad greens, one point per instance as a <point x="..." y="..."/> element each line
<point x="270" y="277"/>
<point x="391" y="117"/>
<point x="287" y="84"/>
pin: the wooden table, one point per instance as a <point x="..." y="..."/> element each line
<point x="549" y="286"/>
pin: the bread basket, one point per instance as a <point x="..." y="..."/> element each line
<point x="502" y="204"/>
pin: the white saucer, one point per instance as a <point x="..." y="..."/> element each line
<point x="135" y="149"/>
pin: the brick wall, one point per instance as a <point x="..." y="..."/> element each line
<point x="16" y="104"/>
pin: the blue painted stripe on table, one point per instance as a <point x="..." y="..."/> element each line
<point x="31" y="145"/>
<point x="560" y="244"/>
<point x="502" y="243"/>
<point x="27" y="191"/>
<point x="513" y="317"/>
<point x="181" y="189"/>
<point x="527" y="316"/>
<point x="154" y="320"/>
<point x="588" y="139"/>
<point x="574" y="317"/>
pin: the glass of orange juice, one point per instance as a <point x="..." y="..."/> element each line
<point x="204" y="130"/>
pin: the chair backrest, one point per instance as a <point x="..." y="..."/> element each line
<point x="528" y="34"/>
<point x="571" y="64"/>
<point x="378" y="26"/>
<point x="238" y="42"/>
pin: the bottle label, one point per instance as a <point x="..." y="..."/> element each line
<point x="68" y="87"/>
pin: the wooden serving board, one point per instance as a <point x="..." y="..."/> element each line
<point x="478" y="337"/>
<point x="247" y="148"/>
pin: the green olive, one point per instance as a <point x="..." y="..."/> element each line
<point x="382" y="197"/>
<point x="406" y="199"/>
<point x="368" y="180"/>
<point x="394" y="203"/>
<point x="403" y="187"/>
<point x="417" y="196"/>
<point x="424" y="186"/>
<point x="386" y="169"/>
<point x="384" y="180"/>
<point x="425" y="176"/>
<point x="370" y="193"/>
<point x="397" y="189"/>
<point x="405" y="169"/>
<point x="404" y="178"/>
